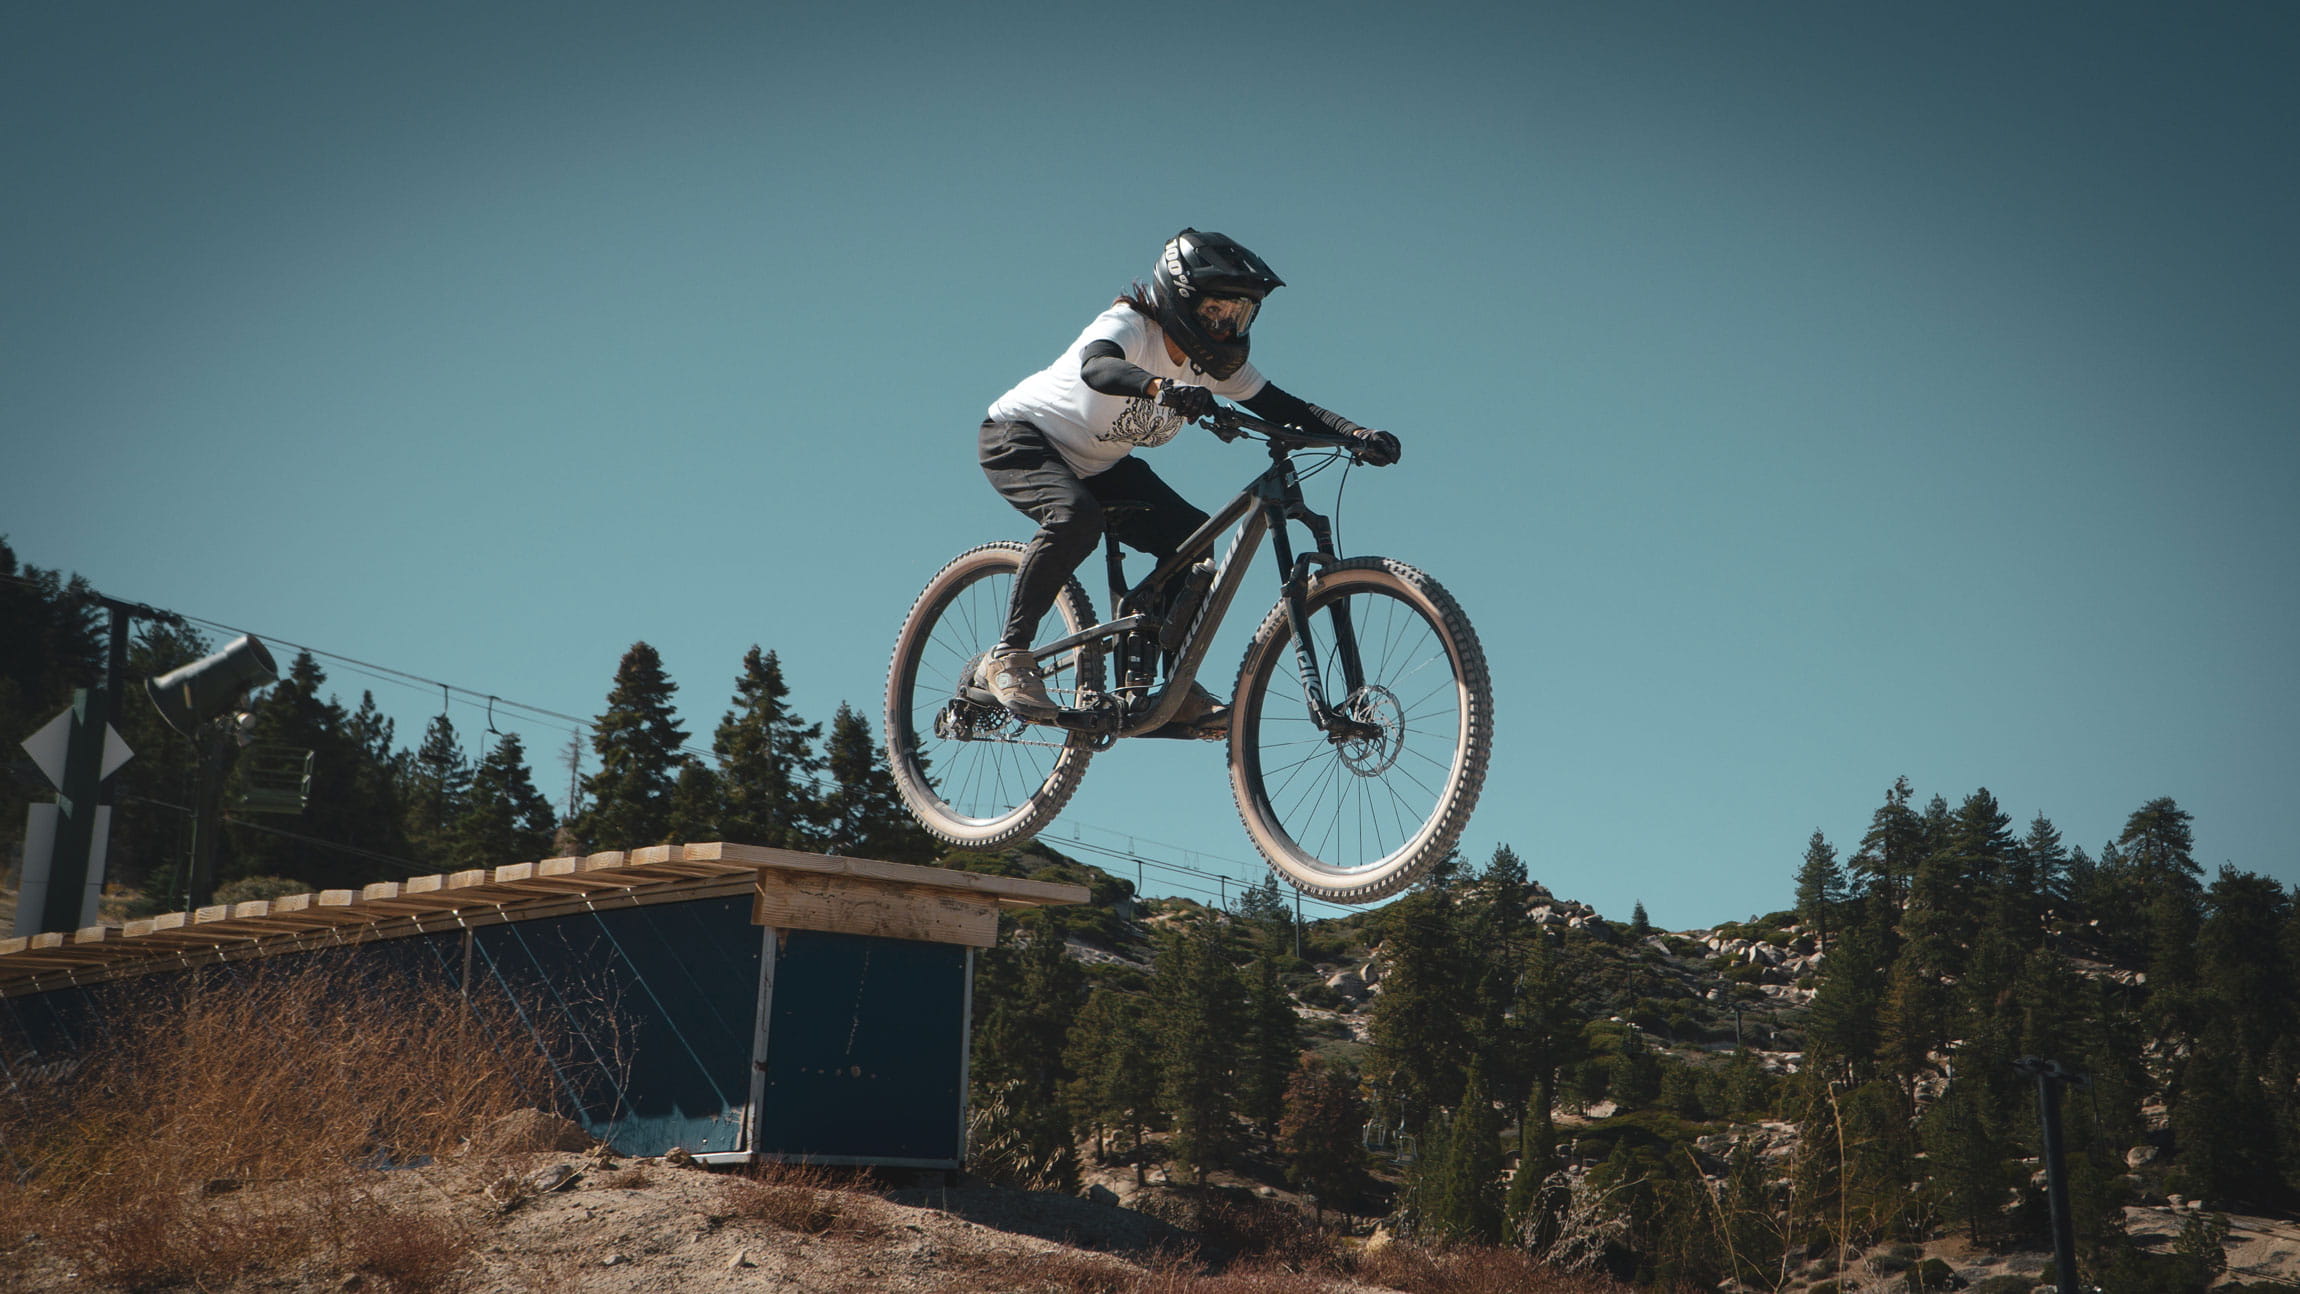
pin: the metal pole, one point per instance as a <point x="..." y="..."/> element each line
<point x="200" y="877"/>
<point x="2050" y="1075"/>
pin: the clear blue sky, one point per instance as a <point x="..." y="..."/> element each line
<point x="1795" y="396"/>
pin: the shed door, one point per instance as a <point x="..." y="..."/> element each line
<point x="865" y="1050"/>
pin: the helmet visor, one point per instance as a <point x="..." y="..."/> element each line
<point x="1225" y="318"/>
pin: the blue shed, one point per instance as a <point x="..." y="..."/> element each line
<point x="733" y="1001"/>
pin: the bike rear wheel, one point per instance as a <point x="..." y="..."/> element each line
<point x="971" y="773"/>
<point x="1356" y="820"/>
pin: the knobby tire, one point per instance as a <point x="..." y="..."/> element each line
<point x="1011" y="780"/>
<point x="1361" y="820"/>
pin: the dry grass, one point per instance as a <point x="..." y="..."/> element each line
<point x="1069" y="1272"/>
<point x="411" y="1254"/>
<point x="151" y="1161"/>
<point x="1053" y="1272"/>
<point x="1471" y="1269"/>
<point x="807" y="1200"/>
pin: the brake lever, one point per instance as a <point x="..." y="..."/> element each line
<point x="1219" y="423"/>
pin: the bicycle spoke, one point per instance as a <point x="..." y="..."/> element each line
<point x="1354" y="802"/>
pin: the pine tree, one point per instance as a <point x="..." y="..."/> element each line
<point x="1262" y="908"/>
<point x="1199" y="1019"/>
<point x="1421" y="1032"/>
<point x="863" y="815"/>
<point x="767" y="762"/>
<point x="1272" y="1041"/>
<point x="2043" y="864"/>
<point x="1028" y="993"/>
<point x="1820" y="888"/>
<point x="1966" y="1160"/>
<point x="1500" y="945"/>
<point x="1892" y="847"/>
<point x="1113" y="1088"/>
<point x="1543" y="1038"/>
<point x="2157" y="840"/>
<point x="638" y="741"/>
<point x="505" y="819"/>
<point x="696" y="805"/>
<point x="1842" y="1030"/>
<point x="1320" y="1136"/>
<point x="1460" y="1189"/>
<point x="433" y="789"/>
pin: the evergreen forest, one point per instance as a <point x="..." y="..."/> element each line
<point x="1780" y="1104"/>
<point x="379" y="809"/>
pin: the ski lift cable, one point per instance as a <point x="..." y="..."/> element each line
<point x="577" y="726"/>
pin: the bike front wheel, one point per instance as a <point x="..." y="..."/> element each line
<point x="1358" y="819"/>
<point x="971" y="773"/>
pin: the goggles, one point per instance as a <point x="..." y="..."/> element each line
<point x="1225" y="318"/>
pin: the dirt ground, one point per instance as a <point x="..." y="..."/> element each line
<point x="563" y="1222"/>
<point x="560" y="1221"/>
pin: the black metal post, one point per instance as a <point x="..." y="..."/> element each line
<point x="85" y="790"/>
<point x="213" y="748"/>
<point x="76" y="806"/>
<point x="2050" y="1075"/>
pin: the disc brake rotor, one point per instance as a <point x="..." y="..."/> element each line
<point x="1373" y="755"/>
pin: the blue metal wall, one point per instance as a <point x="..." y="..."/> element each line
<point x="652" y="1015"/>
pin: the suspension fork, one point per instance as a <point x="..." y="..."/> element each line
<point x="1290" y="507"/>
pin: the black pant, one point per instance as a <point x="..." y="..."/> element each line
<point x="1028" y="473"/>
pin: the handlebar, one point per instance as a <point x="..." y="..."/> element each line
<point x="1230" y="424"/>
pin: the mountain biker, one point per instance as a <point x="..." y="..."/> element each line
<point x="1060" y="445"/>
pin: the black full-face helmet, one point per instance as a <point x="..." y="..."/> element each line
<point x="1207" y="290"/>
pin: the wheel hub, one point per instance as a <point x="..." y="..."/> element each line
<point x="1379" y="734"/>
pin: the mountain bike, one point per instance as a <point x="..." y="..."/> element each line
<point x="1360" y="723"/>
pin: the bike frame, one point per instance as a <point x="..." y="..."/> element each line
<point x="1265" y="506"/>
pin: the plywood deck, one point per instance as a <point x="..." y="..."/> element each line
<point x="792" y="890"/>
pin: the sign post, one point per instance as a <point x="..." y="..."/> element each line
<point x="79" y="752"/>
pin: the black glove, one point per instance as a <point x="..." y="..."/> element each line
<point x="1377" y="448"/>
<point x="1192" y="402"/>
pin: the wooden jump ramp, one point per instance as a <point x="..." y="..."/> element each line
<point x="736" y="1001"/>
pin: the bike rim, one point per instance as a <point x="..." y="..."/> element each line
<point x="1351" y="810"/>
<point x="988" y="777"/>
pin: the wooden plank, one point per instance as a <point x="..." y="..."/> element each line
<point x="303" y="912"/>
<point x="846" y="905"/>
<point x="405" y="896"/>
<point x="673" y="860"/>
<point x="476" y="888"/>
<point x="168" y="930"/>
<point x="59" y="948"/>
<point x="49" y="950"/>
<point x="602" y="871"/>
<point x="236" y="919"/>
<point x="1012" y="888"/>
<point x="95" y="934"/>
